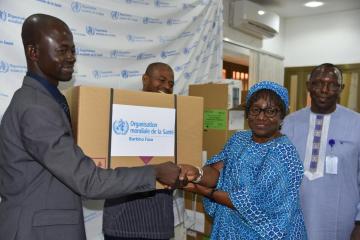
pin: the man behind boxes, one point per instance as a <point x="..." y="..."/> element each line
<point x="43" y="173"/>
<point x="146" y="215"/>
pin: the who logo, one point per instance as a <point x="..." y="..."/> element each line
<point x="4" y="67"/>
<point x="120" y="127"/>
<point x="96" y="74"/>
<point x="90" y="30"/>
<point x="125" y="74"/>
<point x="115" y="15"/>
<point x="76" y="7"/>
<point x="3" y="15"/>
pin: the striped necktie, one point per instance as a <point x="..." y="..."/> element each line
<point x="316" y="143"/>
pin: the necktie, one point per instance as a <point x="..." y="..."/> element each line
<point x="316" y="143"/>
<point x="64" y="105"/>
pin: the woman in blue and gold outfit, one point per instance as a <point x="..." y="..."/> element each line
<point x="252" y="185"/>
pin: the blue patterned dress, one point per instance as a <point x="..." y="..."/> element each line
<point x="263" y="182"/>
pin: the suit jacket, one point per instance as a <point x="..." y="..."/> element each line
<point x="43" y="173"/>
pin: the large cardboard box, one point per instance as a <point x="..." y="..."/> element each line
<point x="223" y="115"/>
<point x="91" y="110"/>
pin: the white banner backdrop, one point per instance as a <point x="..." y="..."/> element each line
<point x="115" y="41"/>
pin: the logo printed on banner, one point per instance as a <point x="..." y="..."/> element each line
<point x="9" y="17"/>
<point x="166" y="54"/>
<point x="121" y="127"/>
<point x="77" y="33"/>
<point x="181" y="67"/>
<point x="91" y="31"/>
<point x="104" y="74"/>
<point x="144" y="56"/>
<point x="121" y="54"/>
<point x="78" y="7"/>
<point x="134" y="38"/>
<point x="75" y="6"/>
<point x="166" y="39"/>
<point x="187" y="50"/>
<point x="173" y="21"/>
<point x="163" y="4"/>
<point x="116" y="15"/>
<point x="186" y="34"/>
<point x="136" y="2"/>
<point x="149" y="20"/>
<point x="8" y="67"/>
<point x="51" y="3"/>
<point x="87" y="52"/>
<point x="188" y="75"/>
<point x="3" y="15"/>
<point x="129" y="74"/>
<point x="187" y="6"/>
<point x="4" y="67"/>
<point x="96" y="74"/>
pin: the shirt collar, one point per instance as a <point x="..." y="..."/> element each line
<point x="52" y="89"/>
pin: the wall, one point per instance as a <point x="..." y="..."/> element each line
<point x="333" y="37"/>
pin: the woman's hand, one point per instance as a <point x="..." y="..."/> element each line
<point x="188" y="172"/>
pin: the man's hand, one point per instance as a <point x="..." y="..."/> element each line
<point x="188" y="172"/>
<point x="355" y="235"/>
<point x="167" y="173"/>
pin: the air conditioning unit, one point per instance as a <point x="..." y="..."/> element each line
<point x="253" y="19"/>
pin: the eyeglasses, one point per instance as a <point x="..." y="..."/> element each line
<point x="268" y="112"/>
<point x="320" y="85"/>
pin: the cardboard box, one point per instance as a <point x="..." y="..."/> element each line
<point x="90" y="109"/>
<point x="222" y="114"/>
<point x="195" y="217"/>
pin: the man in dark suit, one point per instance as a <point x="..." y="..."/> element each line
<point x="147" y="215"/>
<point x="43" y="173"/>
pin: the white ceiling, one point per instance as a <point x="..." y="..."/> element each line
<point x="296" y="8"/>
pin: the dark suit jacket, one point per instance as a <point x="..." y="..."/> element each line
<point x="43" y="173"/>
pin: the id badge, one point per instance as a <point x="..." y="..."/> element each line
<point x="331" y="164"/>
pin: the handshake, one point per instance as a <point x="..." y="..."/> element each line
<point x="177" y="176"/>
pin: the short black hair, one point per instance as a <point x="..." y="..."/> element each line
<point x="337" y="71"/>
<point x="271" y="96"/>
<point x="154" y="65"/>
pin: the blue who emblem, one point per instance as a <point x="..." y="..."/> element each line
<point x="130" y="38"/>
<point x="90" y="30"/>
<point x="157" y="3"/>
<point x="178" y="68"/>
<point x="96" y="74"/>
<point x="186" y="51"/>
<point x="124" y="74"/>
<point x="76" y="7"/>
<point x="163" y="54"/>
<point x="169" y="21"/>
<point x="115" y="15"/>
<point x="3" y="16"/>
<point x="120" y="127"/>
<point x="114" y="53"/>
<point x="4" y="67"/>
<point x="187" y="75"/>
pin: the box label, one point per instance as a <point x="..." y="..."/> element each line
<point x="215" y="119"/>
<point x="142" y="131"/>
